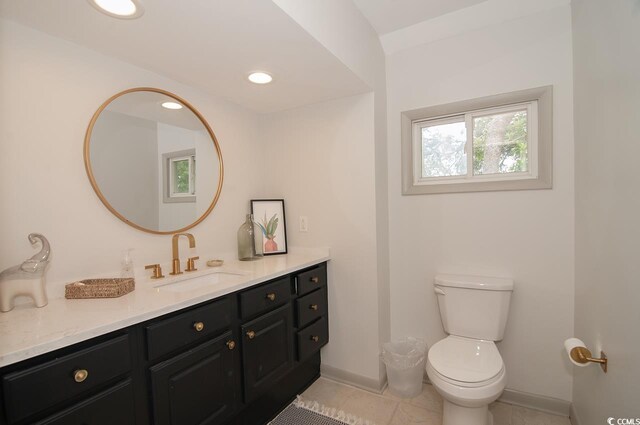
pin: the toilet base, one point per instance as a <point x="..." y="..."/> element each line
<point x="454" y="414"/>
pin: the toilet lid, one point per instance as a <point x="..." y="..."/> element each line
<point x="465" y="359"/>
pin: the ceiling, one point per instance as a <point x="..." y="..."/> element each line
<point x="209" y="44"/>
<point x="391" y="15"/>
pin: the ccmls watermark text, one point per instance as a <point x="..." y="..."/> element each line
<point x="623" y="421"/>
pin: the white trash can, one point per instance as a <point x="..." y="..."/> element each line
<point x="405" y="360"/>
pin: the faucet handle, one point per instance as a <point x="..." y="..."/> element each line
<point x="191" y="264"/>
<point x="157" y="271"/>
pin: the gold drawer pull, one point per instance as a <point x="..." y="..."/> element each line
<point x="313" y="307"/>
<point x="251" y="334"/>
<point x="315" y="338"/>
<point x="315" y="279"/>
<point x="198" y="326"/>
<point x="271" y="296"/>
<point x="231" y="344"/>
<point x="80" y="375"/>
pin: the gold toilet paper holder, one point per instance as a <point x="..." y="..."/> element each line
<point x="583" y="355"/>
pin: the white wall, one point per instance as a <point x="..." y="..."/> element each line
<point x="135" y="152"/>
<point x="344" y="31"/>
<point x="321" y="161"/>
<point x="606" y="57"/>
<point x="524" y="234"/>
<point x="50" y="90"/>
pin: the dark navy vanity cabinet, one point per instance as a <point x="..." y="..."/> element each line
<point x="235" y="360"/>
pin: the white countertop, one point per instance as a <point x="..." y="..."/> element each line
<point x="27" y="331"/>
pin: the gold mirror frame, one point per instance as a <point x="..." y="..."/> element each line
<point x="94" y="184"/>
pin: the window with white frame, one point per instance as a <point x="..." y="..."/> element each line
<point x="491" y="143"/>
<point x="179" y="170"/>
<point x="182" y="171"/>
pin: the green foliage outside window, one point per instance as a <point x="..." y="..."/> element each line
<point x="181" y="176"/>
<point x="500" y="143"/>
<point x="443" y="151"/>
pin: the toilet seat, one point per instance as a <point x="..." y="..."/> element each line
<point x="462" y="384"/>
<point x="466" y="362"/>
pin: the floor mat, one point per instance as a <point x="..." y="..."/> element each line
<point x="305" y="412"/>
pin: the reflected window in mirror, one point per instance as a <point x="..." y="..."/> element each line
<point x="180" y="176"/>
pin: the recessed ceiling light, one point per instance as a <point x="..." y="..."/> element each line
<point x="123" y="9"/>
<point x="260" y="78"/>
<point x="171" y="105"/>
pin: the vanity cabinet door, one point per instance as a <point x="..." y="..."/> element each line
<point x="267" y="350"/>
<point x="198" y="387"/>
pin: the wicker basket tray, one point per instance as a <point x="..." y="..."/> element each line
<point x="99" y="288"/>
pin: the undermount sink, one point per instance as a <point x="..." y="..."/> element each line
<point x="198" y="282"/>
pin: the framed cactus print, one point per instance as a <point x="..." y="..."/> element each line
<point x="269" y="216"/>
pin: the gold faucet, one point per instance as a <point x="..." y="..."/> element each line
<point x="176" y="255"/>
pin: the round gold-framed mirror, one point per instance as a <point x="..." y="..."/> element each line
<point x="153" y="160"/>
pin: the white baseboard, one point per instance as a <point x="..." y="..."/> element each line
<point x="532" y="401"/>
<point x="537" y="402"/>
<point x="359" y="381"/>
<point x="573" y="416"/>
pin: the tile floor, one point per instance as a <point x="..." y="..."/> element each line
<point x="425" y="409"/>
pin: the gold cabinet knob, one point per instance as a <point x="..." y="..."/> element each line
<point x="198" y="326"/>
<point x="271" y="296"/>
<point x="315" y="279"/>
<point x="231" y="344"/>
<point x="80" y="375"/>
<point x="315" y="338"/>
<point x="251" y="334"/>
<point x="313" y="307"/>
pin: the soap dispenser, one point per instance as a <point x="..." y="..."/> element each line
<point x="126" y="265"/>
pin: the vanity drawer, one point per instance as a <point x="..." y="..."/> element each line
<point x="312" y="279"/>
<point x="33" y="390"/>
<point x="312" y="338"/>
<point x="113" y="406"/>
<point x="311" y="306"/>
<point x="189" y="327"/>
<point x="265" y="298"/>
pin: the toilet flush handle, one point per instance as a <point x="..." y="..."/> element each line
<point x="439" y="291"/>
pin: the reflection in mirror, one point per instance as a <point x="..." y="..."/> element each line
<point x="153" y="160"/>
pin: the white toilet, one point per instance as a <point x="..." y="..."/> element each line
<point x="466" y="367"/>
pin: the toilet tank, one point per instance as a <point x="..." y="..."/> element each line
<point x="474" y="306"/>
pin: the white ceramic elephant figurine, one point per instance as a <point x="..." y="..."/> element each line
<point x="27" y="279"/>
